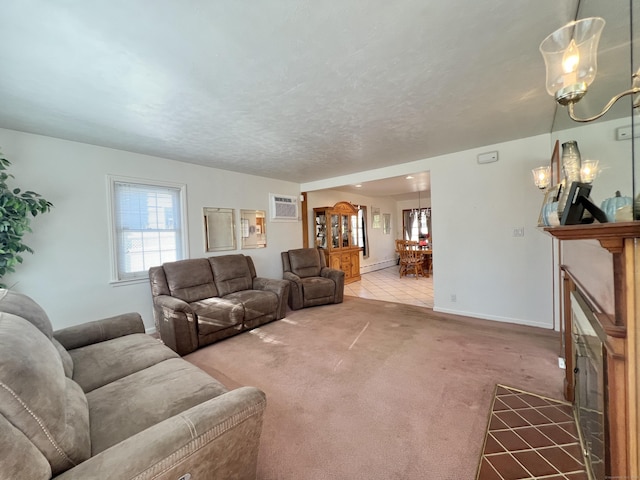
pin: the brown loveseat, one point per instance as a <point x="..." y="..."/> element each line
<point x="105" y="400"/>
<point x="312" y="283"/>
<point x="199" y="301"/>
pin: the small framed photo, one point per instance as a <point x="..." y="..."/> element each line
<point x="386" y="223"/>
<point x="376" y="221"/>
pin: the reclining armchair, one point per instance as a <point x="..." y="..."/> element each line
<point x="311" y="281"/>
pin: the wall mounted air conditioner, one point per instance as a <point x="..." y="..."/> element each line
<point x="283" y="208"/>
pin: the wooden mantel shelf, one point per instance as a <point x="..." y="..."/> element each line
<point x="610" y="235"/>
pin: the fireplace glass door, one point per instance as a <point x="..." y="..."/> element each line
<point x="589" y="388"/>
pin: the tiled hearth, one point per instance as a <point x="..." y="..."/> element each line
<point x="531" y="437"/>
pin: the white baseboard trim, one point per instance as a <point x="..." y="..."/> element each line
<point x="150" y="330"/>
<point x="495" y="318"/>
<point x="377" y="266"/>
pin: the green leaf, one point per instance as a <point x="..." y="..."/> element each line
<point x="16" y="210"/>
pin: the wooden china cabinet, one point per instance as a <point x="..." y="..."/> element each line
<point x="336" y="232"/>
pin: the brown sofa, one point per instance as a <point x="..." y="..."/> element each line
<point x="311" y="281"/>
<point x="199" y="301"/>
<point x="105" y="400"/>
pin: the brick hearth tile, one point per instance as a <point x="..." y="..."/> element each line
<point x="535" y="401"/>
<point x="560" y="459"/>
<point x="510" y="440"/>
<point x="514" y="402"/>
<point x="534" y="437"/>
<point x="487" y="472"/>
<point x="498" y="405"/>
<point x="496" y="423"/>
<point x="512" y="419"/>
<point x="557" y="434"/>
<point x="508" y="467"/>
<point x="534" y="417"/>
<point x="556" y="414"/>
<point x="492" y="446"/>
<point x="536" y="465"/>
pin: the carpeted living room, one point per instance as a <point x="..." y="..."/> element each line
<point x="319" y="240"/>
<point x="371" y="389"/>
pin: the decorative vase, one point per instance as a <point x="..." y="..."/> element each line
<point x="571" y="164"/>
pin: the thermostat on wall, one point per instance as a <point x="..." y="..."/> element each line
<point x="488" y="157"/>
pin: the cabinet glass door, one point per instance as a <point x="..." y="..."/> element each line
<point x="345" y="230"/>
<point x="321" y="231"/>
<point x="335" y="231"/>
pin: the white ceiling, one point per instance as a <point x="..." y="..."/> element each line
<point x="294" y="90"/>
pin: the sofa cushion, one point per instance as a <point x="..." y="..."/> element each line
<point x="190" y="280"/>
<point x="38" y="399"/>
<point x="257" y="303"/>
<point x="216" y="314"/>
<point x="305" y="262"/>
<point x="20" y="457"/>
<point x="102" y="363"/>
<point x="25" y="307"/>
<point x="136" y="402"/>
<point x="318" y="287"/>
<point x="67" y="361"/>
<point x="231" y="273"/>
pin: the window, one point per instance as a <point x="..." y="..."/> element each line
<point x="363" y="239"/>
<point x="416" y="224"/>
<point x="147" y="223"/>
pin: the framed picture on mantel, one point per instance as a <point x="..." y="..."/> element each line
<point x="555" y="164"/>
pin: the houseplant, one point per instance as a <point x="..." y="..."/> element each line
<point x="16" y="210"/>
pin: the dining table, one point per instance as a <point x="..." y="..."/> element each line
<point x="427" y="258"/>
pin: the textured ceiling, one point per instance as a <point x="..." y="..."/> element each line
<point x="294" y="90"/>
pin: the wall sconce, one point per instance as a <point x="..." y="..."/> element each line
<point x="589" y="171"/>
<point x="542" y="177"/>
<point x="570" y="55"/>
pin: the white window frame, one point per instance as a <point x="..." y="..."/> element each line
<point x="117" y="277"/>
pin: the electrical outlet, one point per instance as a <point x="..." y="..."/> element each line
<point x="453" y="298"/>
<point x="518" y="232"/>
<point x="561" y="363"/>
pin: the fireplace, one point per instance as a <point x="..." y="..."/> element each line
<point x="600" y="282"/>
<point x="589" y="393"/>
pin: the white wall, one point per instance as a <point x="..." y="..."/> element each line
<point x="69" y="274"/>
<point x="475" y="209"/>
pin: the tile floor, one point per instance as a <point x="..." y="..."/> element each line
<point x="531" y="437"/>
<point x="387" y="285"/>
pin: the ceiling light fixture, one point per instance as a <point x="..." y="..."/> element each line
<point x="570" y="56"/>
<point x="408" y="177"/>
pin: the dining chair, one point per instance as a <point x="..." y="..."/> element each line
<point x="411" y="260"/>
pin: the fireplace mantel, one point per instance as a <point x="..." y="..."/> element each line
<point x="610" y="235"/>
<point x="619" y="324"/>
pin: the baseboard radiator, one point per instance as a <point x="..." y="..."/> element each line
<point x="372" y="267"/>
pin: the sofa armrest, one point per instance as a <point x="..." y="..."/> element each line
<point x="279" y="287"/>
<point x="176" y="323"/>
<point x="296" y="300"/>
<point x="338" y="277"/>
<point x="99" y="330"/>
<point x="217" y="439"/>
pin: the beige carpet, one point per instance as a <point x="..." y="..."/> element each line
<point x="377" y="390"/>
